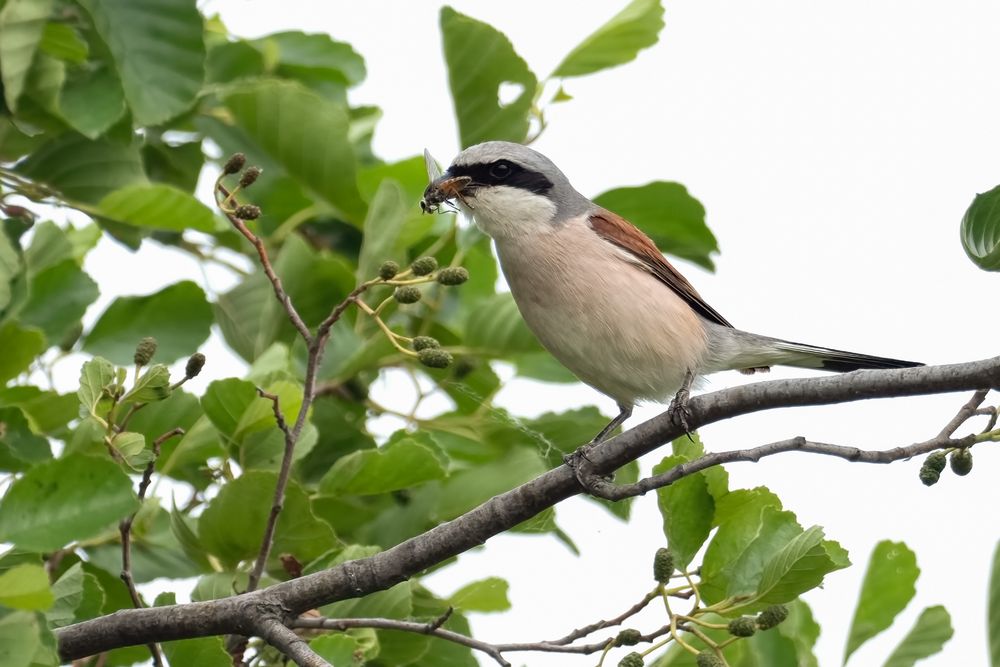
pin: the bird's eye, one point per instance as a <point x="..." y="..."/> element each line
<point x="500" y="170"/>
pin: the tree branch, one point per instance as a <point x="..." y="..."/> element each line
<point x="385" y="569"/>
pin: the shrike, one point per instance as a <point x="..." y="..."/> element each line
<point x="598" y="293"/>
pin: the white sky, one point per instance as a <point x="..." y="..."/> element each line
<point x="835" y="146"/>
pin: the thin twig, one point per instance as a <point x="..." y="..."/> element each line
<point x="290" y="644"/>
<point x="963" y="414"/>
<point x="265" y="262"/>
<point x="617" y="620"/>
<point x="610" y="491"/>
<point x="279" y="492"/>
<point x="403" y="626"/>
<point x="125" y="528"/>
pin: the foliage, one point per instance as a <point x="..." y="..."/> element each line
<point x="83" y="126"/>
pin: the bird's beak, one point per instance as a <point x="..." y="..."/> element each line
<point x="444" y="188"/>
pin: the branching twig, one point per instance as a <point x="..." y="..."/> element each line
<point x="125" y="528"/>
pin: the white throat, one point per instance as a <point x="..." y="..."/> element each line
<point x="502" y="211"/>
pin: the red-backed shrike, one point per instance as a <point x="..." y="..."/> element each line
<point x="598" y="293"/>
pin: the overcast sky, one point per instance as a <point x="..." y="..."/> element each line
<point x="835" y="146"/>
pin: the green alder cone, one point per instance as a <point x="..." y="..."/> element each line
<point x="434" y="357"/>
<point x="421" y="343"/>
<point x="424" y="266"/>
<point x="961" y="462"/>
<point x="388" y="270"/>
<point x="663" y="565"/>
<point x="406" y="294"/>
<point x="744" y="626"/>
<point x="633" y="659"/>
<point x="628" y="637"/>
<point x="772" y="616"/>
<point x="144" y="351"/>
<point x="708" y="659"/>
<point x="936" y="461"/>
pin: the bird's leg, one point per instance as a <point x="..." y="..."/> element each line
<point x="678" y="409"/>
<point x="624" y="412"/>
<point x="583" y="467"/>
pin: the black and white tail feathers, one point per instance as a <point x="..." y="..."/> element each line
<point x="829" y="359"/>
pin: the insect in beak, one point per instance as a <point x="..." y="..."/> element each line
<point x="442" y="190"/>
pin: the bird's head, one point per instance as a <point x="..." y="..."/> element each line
<point x="510" y="189"/>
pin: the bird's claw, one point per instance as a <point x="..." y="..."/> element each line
<point x="679" y="411"/>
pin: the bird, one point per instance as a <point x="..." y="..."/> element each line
<point x="598" y="293"/>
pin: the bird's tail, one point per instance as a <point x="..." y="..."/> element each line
<point x="829" y="359"/>
<point x="732" y="349"/>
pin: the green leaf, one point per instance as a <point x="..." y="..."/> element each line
<point x="131" y="447"/>
<point x="486" y="595"/>
<point x="96" y="378"/>
<point x="82" y="169"/>
<point x="58" y="298"/>
<point x="306" y="134"/>
<point x="927" y="637"/>
<point x="19" y="639"/>
<point x="382" y="225"/>
<point x="20" y="346"/>
<point x="480" y="60"/>
<point x="226" y="401"/>
<point x="10" y="266"/>
<point x="399" y="465"/>
<point x="22" y="23"/>
<point x="800" y="566"/>
<point x="981" y="230"/>
<point x="739" y="516"/>
<point x="66" y="499"/>
<point x="687" y="508"/>
<point x="669" y="215"/>
<point x="62" y="41"/>
<point x="153" y="385"/>
<point x="616" y="42"/>
<point x="92" y="101"/>
<point x="20" y="448"/>
<point x="312" y="59"/>
<point x="178" y="316"/>
<point x="157" y="206"/>
<point x="993" y="610"/>
<point x="232" y="524"/>
<point x="777" y="529"/>
<point x="888" y="587"/>
<point x="78" y="595"/>
<point x="26" y="586"/>
<point x="187" y="539"/>
<point x="336" y="649"/>
<point x="467" y="488"/>
<point x="157" y="41"/>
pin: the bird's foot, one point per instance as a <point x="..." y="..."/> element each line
<point x="583" y="469"/>
<point x="679" y="412"/>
